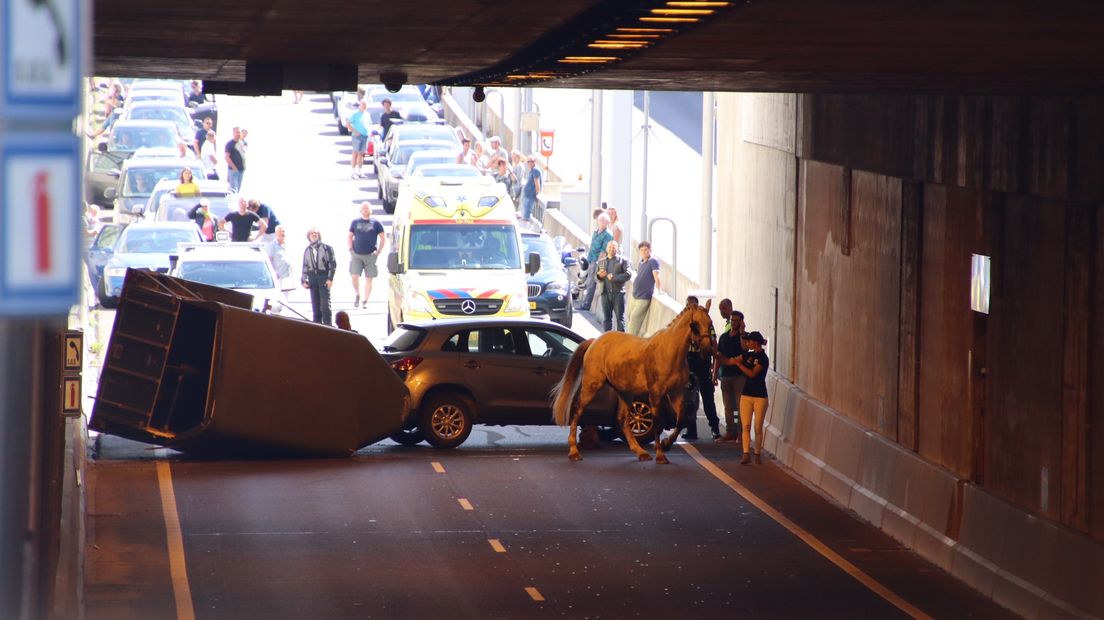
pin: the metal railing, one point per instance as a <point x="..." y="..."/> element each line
<point x="674" y="249"/>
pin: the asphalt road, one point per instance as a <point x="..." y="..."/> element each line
<point x="504" y="527"/>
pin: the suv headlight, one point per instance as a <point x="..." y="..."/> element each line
<point x="517" y="303"/>
<point x="115" y="271"/>
<point x="488" y="201"/>
<point x="417" y="303"/>
<point x="558" y="285"/>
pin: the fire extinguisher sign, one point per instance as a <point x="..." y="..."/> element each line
<point x="40" y="224"/>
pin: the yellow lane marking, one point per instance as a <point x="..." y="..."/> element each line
<point x="437" y="467"/>
<point x="497" y="545"/>
<point x="465" y="504"/>
<point x="534" y="594"/>
<point x="178" y="569"/>
<point x="806" y="537"/>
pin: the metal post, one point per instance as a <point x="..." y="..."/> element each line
<point x="706" y="232"/>
<point x="644" y="196"/>
<point x="501" y="125"/>
<point x="596" y="150"/>
<point x="525" y="136"/>
<point x="674" y="250"/>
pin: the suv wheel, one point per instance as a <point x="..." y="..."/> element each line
<point x="446" y="420"/>
<point x="642" y="422"/>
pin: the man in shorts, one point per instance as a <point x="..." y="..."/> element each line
<point x="358" y="128"/>
<point x="366" y="241"/>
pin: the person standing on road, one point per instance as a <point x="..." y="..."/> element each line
<point x="241" y="223"/>
<point x="235" y="160"/>
<point x="387" y="118"/>
<point x="598" y="242"/>
<point x="754" y="402"/>
<point x="531" y="189"/>
<point x="358" y="129"/>
<point x="644" y="287"/>
<point x="208" y="156"/>
<point x="729" y="347"/>
<point x="702" y="368"/>
<point x="201" y="136"/>
<point x="319" y="267"/>
<point x="277" y="255"/>
<point x="269" y="221"/>
<point x="613" y="272"/>
<point x="366" y="239"/>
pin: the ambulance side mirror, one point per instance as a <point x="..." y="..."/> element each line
<point x="393" y="264"/>
<point x="532" y="265"/>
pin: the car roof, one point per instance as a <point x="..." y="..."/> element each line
<point x="142" y="122"/>
<point x="205" y="185"/>
<point x="158" y="103"/>
<point x="453" y="324"/>
<point x="230" y="251"/>
<point x="141" y="224"/>
<point x="161" y="162"/>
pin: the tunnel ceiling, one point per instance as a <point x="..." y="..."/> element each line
<point x="959" y="46"/>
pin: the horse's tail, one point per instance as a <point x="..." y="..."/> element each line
<point x="565" y="391"/>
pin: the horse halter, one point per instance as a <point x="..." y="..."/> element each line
<point x="701" y="334"/>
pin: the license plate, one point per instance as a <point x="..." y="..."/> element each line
<point x="532" y="305"/>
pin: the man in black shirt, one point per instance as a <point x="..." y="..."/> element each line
<point x="387" y="118"/>
<point x="241" y="222"/>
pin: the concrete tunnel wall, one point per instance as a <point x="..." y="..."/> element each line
<point x="845" y="228"/>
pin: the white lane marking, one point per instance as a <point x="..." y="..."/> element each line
<point x="806" y="537"/>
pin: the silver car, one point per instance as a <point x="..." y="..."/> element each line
<point x="464" y="372"/>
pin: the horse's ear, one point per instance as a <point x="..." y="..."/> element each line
<point x="708" y="303"/>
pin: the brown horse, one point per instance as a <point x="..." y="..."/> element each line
<point x="638" y="369"/>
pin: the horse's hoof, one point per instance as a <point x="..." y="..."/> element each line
<point x="575" y="457"/>
<point x="662" y="460"/>
<point x="644" y="457"/>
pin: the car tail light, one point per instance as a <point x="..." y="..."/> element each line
<point x="371" y="150"/>
<point x="406" y="364"/>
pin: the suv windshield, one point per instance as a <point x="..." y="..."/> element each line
<point x="138" y="241"/>
<point x="141" y="181"/>
<point x="548" y="255"/>
<point x="130" y="139"/>
<point x="464" y="246"/>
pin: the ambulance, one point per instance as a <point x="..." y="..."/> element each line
<point x="456" y="252"/>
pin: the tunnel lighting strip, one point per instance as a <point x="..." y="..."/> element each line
<point x="623" y="28"/>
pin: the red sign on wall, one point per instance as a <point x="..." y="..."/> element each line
<point x="547" y="136"/>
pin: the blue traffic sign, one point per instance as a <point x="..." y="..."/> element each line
<point x="42" y="63"/>
<point x="40" y="223"/>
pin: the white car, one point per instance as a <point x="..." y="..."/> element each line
<point x="243" y="267"/>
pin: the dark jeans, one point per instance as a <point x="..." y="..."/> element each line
<point x="320" y="298"/>
<point x="706" y="389"/>
<point x="613" y="307"/>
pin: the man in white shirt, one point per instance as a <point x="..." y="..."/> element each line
<point x="208" y="155"/>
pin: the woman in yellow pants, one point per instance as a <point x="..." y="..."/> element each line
<point x="753" y="402"/>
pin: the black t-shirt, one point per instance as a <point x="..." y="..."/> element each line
<point x="756" y="386"/>
<point x="265" y="211"/>
<point x="241" y="224"/>
<point x="201" y="136"/>
<point x="235" y="154"/>
<point x="365" y="234"/>
<point x="729" y="346"/>
<point x="385" y="121"/>
<point x="197" y="98"/>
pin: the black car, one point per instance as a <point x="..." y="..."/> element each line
<point x="549" y="288"/>
<point x="462" y="372"/>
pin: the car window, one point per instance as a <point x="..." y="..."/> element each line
<point x="404" y="338"/>
<point x="146" y="241"/>
<point x="107" y="237"/>
<point x="548" y="255"/>
<point x="102" y="163"/>
<point x="228" y="274"/>
<point x="547" y="343"/>
<point x="496" y="341"/>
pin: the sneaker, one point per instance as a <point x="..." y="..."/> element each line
<point x="716" y="436"/>
<point x="746" y="460"/>
<point x="364" y="304"/>
<point x="354" y="176"/>
<point x="357" y="302"/>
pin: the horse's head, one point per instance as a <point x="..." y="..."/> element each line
<point x="701" y="333"/>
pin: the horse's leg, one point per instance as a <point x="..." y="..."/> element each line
<point x="586" y="394"/>
<point x="626" y="431"/>
<point x="676" y="402"/>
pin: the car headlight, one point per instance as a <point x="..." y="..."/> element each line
<point x="488" y="201"/>
<point x="417" y="303"/>
<point x="435" y="202"/>
<point x="559" y="285"/>
<point x="115" y="271"/>
<point x="517" y="303"/>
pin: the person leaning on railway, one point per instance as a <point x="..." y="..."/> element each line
<point x="613" y="272"/>
<point x="753" y="402"/>
<point x="644" y="287"/>
<point x="702" y="368"/>
<point x="277" y="255"/>
<point x="319" y="267"/>
<point x="730" y="346"/>
<point x="598" y="242"/>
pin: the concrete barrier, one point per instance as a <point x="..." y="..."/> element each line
<point x="1033" y="566"/>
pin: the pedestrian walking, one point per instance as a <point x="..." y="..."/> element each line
<point x="366" y="240"/>
<point x="645" y="286"/>
<point x="613" y="272"/>
<point x="531" y="189"/>
<point x="754" y="401"/>
<point x="702" y="369"/>
<point x="598" y="242"/>
<point x="235" y="159"/>
<point x="358" y="129"/>
<point x="730" y="346"/>
<point x="319" y="267"/>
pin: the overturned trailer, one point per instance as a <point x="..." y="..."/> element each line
<point x="192" y="367"/>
